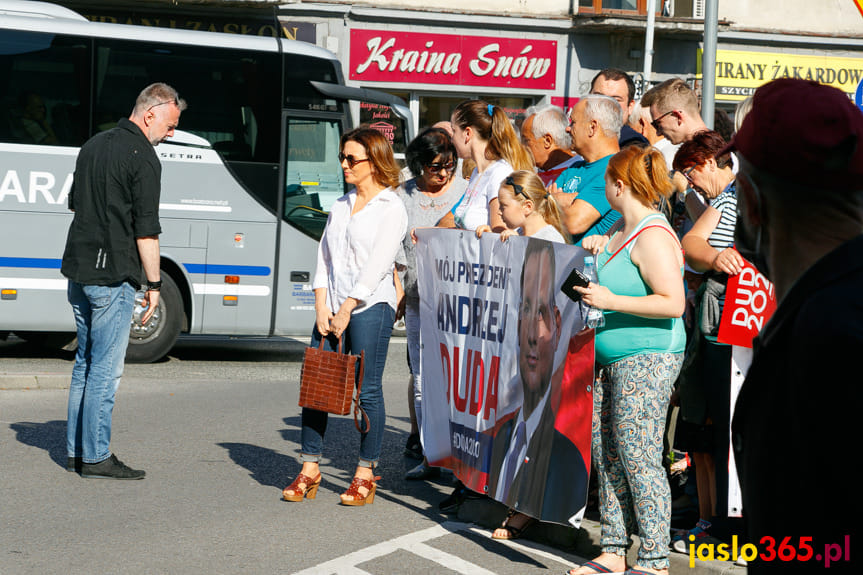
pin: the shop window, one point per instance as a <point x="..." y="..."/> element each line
<point x="382" y="118"/>
<point x="612" y="6"/>
<point x="438" y="108"/>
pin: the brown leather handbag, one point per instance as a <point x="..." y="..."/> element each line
<point x="328" y="380"/>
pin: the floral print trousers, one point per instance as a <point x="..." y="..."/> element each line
<point x="630" y="404"/>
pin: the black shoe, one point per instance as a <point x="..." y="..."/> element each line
<point x="456" y="498"/>
<point x="423" y="471"/>
<point x="413" y="447"/>
<point x="111" y="468"/>
<point x="74" y="464"/>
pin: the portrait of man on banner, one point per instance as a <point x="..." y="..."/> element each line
<point x="508" y="399"/>
<point x="530" y="457"/>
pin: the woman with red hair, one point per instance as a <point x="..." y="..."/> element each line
<point x="640" y="351"/>
<point x="705" y="386"/>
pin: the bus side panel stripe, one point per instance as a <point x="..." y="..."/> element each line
<point x="231" y="270"/>
<point x="43" y="263"/>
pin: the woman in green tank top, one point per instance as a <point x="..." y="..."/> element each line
<point x="640" y="350"/>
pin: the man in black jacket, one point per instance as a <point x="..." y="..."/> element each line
<point x="797" y="417"/>
<point x="115" y="231"/>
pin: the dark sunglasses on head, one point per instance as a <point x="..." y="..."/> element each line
<point x="162" y="104"/>
<point x="352" y="161"/>
<point x="516" y="188"/>
<point x="436" y="168"/>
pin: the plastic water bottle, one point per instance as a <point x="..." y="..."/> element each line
<point x="140" y="308"/>
<point x="595" y="318"/>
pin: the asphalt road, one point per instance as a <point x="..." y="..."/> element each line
<point x="216" y="426"/>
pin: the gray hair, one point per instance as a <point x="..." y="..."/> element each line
<point x="743" y="107"/>
<point x="155" y="95"/>
<point x="639" y="113"/>
<point x="550" y="120"/>
<point x="607" y="113"/>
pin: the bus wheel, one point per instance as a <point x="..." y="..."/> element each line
<point x="153" y="341"/>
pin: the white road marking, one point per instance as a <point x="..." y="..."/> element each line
<point x="415" y="543"/>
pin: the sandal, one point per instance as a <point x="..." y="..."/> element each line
<point x="597" y="567"/>
<point x="309" y="489"/>
<point x="512" y="531"/>
<point x="353" y="496"/>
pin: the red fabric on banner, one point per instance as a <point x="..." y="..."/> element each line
<point x="573" y="405"/>
<point x="750" y="300"/>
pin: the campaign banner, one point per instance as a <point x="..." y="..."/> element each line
<point x="507" y="369"/>
<point x="750" y="300"/>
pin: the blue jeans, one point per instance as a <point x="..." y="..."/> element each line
<point x="103" y="316"/>
<point x="368" y="331"/>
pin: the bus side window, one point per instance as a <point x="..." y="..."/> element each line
<point x="233" y="98"/>
<point x="44" y="81"/>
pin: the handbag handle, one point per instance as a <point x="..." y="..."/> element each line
<point x="358" y="409"/>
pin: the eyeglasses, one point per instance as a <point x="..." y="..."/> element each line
<point x="352" y="161"/>
<point x="655" y="123"/>
<point x="162" y="104"/>
<point x="436" y="168"/>
<point x="516" y="188"/>
<point x="685" y="173"/>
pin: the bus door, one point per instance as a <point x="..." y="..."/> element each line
<point x="312" y="182"/>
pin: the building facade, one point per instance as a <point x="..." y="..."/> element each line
<point x="514" y="53"/>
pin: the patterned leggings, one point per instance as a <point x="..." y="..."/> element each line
<point x="629" y="411"/>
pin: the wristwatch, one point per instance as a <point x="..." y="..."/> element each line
<point x="154" y="286"/>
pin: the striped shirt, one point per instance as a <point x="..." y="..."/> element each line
<point x="726" y="203"/>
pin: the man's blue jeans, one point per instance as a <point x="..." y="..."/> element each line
<point x="103" y="316"/>
<point x="368" y="331"/>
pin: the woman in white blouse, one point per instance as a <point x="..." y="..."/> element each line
<point x="483" y="133"/>
<point x="355" y="299"/>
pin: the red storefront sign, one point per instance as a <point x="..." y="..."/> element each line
<point x="384" y="56"/>
<point x="749" y="302"/>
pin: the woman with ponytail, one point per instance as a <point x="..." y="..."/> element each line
<point x="640" y="351"/>
<point x="483" y="133"/>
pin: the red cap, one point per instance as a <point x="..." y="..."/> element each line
<point x="804" y="132"/>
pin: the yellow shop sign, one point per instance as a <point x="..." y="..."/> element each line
<point x="739" y="73"/>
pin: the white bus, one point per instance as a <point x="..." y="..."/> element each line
<point x="246" y="181"/>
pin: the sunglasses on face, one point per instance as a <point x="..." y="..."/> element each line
<point x="436" y="168"/>
<point x="516" y="188"/>
<point x="352" y="161"/>
<point x="655" y="123"/>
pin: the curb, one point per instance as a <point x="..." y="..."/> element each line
<point x="34" y="380"/>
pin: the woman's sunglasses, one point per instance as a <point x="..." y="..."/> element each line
<point x="436" y="168"/>
<point x="352" y="161"/>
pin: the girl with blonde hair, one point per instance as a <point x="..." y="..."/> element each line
<point x="527" y="209"/>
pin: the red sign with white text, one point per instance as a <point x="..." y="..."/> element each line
<point x="749" y="302"/>
<point x="386" y="56"/>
